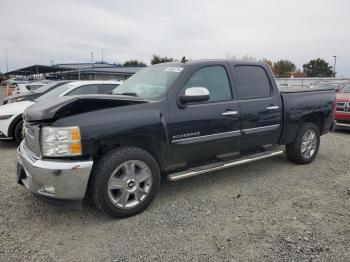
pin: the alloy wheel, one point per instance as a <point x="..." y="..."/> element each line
<point x="129" y="184"/>
<point x="309" y="143"/>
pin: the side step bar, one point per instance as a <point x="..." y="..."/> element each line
<point x="221" y="165"/>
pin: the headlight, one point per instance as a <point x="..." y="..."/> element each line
<point x="4" y="117"/>
<point x="61" y="141"/>
<point x="15" y="100"/>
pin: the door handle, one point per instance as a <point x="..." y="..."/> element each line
<point x="272" y="107"/>
<point x="230" y="113"/>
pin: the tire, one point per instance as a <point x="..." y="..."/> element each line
<point x="297" y="151"/>
<point x="18" y="132"/>
<point x="124" y="181"/>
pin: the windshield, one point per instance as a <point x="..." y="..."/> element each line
<point x="46" y="87"/>
<point x="34" y="87"/>
<point x="346" y="88"/>
<point x="150" y="82"/>
<point x="56" y="91"/>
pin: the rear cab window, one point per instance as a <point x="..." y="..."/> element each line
<point x="253" y="82"/>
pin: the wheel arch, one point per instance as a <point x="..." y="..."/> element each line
<point x="294" y="123"/>
<point x="317" y="118"/>
<point x="13" y="125"/>
<point x="146" y="143"/>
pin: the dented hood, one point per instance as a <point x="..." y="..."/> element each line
<point x="59" y="107"/>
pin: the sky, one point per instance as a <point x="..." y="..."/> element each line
<point x="39" y="32"/>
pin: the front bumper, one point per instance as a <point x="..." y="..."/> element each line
<point x="59" y="179"/>
<point x="342" y="124"/>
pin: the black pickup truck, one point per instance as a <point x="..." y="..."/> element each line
<point x="173" y="120"/>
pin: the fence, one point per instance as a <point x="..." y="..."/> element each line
<point x="306" y="81"/>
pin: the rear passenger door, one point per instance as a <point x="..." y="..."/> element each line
<point x="260" y="106"/>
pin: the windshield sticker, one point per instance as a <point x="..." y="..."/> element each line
<point x="173" y="69"/>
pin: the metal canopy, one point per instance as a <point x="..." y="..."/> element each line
<point x="37" y="69"/>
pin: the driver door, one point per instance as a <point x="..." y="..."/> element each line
<point x="204" y="131"/>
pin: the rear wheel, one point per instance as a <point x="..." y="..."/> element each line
<point x="125" y="181"/>
<point x="306" y="145"/>
<point x="18" y="132"/>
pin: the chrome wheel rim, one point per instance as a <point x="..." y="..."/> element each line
<point x="309" y="143"/>
<point x="129" y="184"/>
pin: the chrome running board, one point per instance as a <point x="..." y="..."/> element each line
<point x="221" y="165"/>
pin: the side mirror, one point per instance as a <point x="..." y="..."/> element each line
<point x="194" y="94"/>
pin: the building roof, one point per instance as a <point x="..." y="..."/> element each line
<point x="86" y="65"/>
<point x="107" y="70"/>
<point x="37" y="69"/>
<point x="75" y="68"/>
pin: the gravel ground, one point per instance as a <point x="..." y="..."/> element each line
<point x="270" y="210"/>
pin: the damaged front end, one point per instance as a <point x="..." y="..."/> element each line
<point x="73" y="105"/>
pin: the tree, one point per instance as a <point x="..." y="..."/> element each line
<point x="298" y="73"/>
<point x="318" y="68"/>
<point x="284" y="68"/>
<point x="270" y="64"/>
<point x="134" y="63"/>
<point x="158" y="59"/>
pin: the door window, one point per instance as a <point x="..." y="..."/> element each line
<point x="252" y="82"/>
<point x="84" y="90"/>
<point x="215" y="79"/>
<point x="108" y="88"/>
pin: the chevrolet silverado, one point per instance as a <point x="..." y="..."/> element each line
<point x="173" y="120"/>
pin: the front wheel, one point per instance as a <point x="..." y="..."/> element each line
<point x="125" y="181"/>
<point x="306" y="145"/>
<point x="18" y="132"/>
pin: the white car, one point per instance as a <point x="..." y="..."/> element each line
<point x="25" y="88"/>
<point x="20" y="89"/>
<point x="11" y="114"/>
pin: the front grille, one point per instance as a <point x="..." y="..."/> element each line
<point x="343" y="107"/>
<point x="31" y="137"/>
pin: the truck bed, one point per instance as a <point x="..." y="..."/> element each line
<point x="299" y="103"/>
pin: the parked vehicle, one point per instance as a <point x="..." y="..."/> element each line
<point x="174" y="119"/>
<point x="11" y="114"/>
<point x="31" y="96"/>
<point x="14" y="81"/>
<point x="342" y="113"/>
<point x="20" y="89"/>
<point x="24" y="88"/>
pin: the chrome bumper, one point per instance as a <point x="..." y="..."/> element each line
<point x="56" y="179"/>
<point x="342" y="125"/>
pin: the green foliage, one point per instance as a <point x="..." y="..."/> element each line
<point x="134" y="63"/>
<point x="158" y="59"/>
<point x="318" y="68"/>
<point x="283" y="68"/>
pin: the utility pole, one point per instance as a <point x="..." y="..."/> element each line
<point x="7" y="65"/>
<point x="335" y="62"/>
<point x="102" y="56"/>
<point x="92" y="64"/>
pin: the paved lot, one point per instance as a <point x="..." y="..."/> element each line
<point x="270" y="210"/>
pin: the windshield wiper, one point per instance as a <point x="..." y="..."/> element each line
<point x="127" y="94"/>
